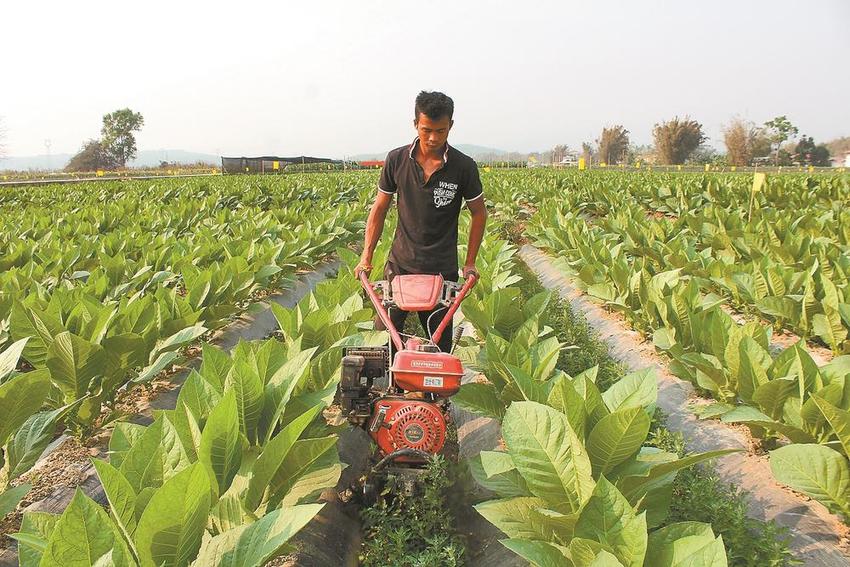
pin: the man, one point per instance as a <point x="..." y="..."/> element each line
<point x="432" y="180"/>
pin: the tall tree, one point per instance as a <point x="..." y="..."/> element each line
<point x="779" y="130"/>
<point x="613" y="144"/>
<point x="91" y="157"/>
<point x="558" y="153"/>
<point x="741" y="138"/>
<point x="676" y="139"/>
<point x="117" y="135"/>
<point x="587" y="152"/>
<point x="808" y="153"/>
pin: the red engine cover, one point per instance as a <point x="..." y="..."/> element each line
<point x="408" y="424"/>
<point x="435" y="372"/>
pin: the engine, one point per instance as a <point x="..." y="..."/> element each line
<point x="408" y="415"/>
<point x="401" y="423"/>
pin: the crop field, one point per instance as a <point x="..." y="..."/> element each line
<point x="116" y="294"/>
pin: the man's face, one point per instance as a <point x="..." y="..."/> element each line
<point x="432" y="133"/>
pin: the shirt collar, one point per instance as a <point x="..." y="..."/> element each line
<point x="416" y="141"/>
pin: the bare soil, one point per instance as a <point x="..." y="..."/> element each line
<point x="63" y="467"/>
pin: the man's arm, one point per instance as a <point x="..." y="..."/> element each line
<point x="374" y="228"/>
<point x="476" y="233"/>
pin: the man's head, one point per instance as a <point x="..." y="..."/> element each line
<point x="433" y="119"/>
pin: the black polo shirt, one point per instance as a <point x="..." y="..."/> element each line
<point x="426" y="236"/>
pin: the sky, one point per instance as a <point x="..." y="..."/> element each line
<point x="337" y="78"/>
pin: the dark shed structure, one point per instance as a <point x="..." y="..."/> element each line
<point x="268" y="164"/>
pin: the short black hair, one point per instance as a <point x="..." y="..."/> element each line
<point x="434" y="105"/>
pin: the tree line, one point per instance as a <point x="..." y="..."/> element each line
<point x="682" y="140"/>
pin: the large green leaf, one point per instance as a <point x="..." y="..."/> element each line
<point x="73" y="363"/>
<point x="220" y="449"/>
<point x="199" y="395"/>
<point x="253" y="545"/>
<point x="31" y="439"/>
<point x="20" y="397"/>
<point x="481" y="399"/>
<point x="512" y="515"/>
<point x="177" y="340"/>
<point x="636" y="390"/>
<point x="548" y="454"/>
<point x="39" y="327"/>
<point x="248" y="389"/>
<point x="124" y="435"/>
<point x="37" y="527"/>
<point x="838" y="419"/>
<point x="538" y="553"/>
<point x="155" y="457"/>
<point x="153" y="369"/>
<point x="753" y="417"/>
<point x="771" y="396"/>
<point x="685" y="544"/>
<point x="298" y="462"/>
<point x="271" y="459"/>
<point x="565" y="398"/>
<point x="170" y="529"/>
<point x="309" y="482"/>
<point x="83" y="536"/>
<point x="815" y="470"/>
<point x="609" y="519"/>
<point x="9" y="357"/>
<point x="119" y="493"/>
<point x="616" y="437"/>
<point x="9" y="498"/>
<point x="496" y="472"/>
<point x="828" y="326"/>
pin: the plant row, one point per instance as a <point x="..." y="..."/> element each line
<point x="235" y="470"/>
<point x="103" y="285"/>
<point x="577" y="482"/>
<point x="786" y="396"/>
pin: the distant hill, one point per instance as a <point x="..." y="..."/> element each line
<point x="144" y="158"/>
<point x="473" y="151"/>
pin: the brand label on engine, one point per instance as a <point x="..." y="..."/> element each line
<point x="433" y="381"/>
<point x="425" y="364"/>
<point x="414" y="434"/>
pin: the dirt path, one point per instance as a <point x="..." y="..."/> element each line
<point x="818" y="537"/>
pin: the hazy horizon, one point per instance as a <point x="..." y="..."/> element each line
<point x="336" y="78"/>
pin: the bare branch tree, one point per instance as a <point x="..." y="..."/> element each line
<point x="676" y="139"/>
<point x="613" y="144"/>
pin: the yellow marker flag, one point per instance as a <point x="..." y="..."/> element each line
<point x="734" y="168"/>
<point x="679" y="167"/>
<point x="637" y="165"/>
<point x="811" y="169"/>
<point x="707" y="167"/>
<point x="99" y="173"/>
<point x="581" y="164"/>
<point x="486" y="168"/>
<point x="758" y="182"/>
<point x="603" y="164"/>
<point x="275" y="165"/>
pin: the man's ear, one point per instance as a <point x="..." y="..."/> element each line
<point x="451" y="123"/>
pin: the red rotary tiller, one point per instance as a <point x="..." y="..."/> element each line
<point x="403" y="403"/>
